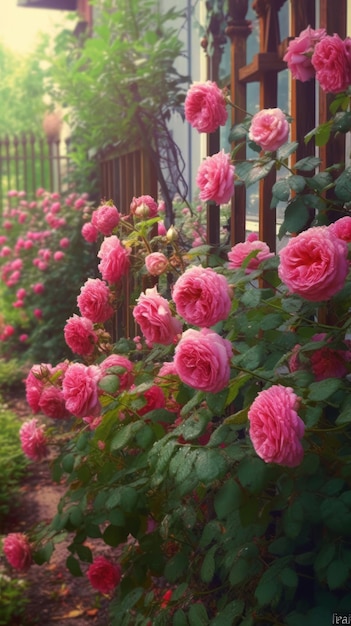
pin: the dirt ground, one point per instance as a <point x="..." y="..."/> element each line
<point x="55" y="597"/>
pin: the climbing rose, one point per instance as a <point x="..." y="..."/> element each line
<point x="314" y="264"/>
<point x="80" y="335"/>
<point x="202" y="360"/>
<point x="325" y="362"/>
<point x="89" y="232"/>
<point x="299" y="53"/>
<point x="156" y="263"/>
<point x="52" y="403"/>
<point x="94" y="301"/>
<point x="275" y="427"/>
<point x="33" y="440"/>
<point x="144" y="206"/>
<point x="103" y="575"/>
<point x="35" y="382"/>
<point x="154" y="400"/>
<point x="105" y="219"/>
<point x="114" y="259"/>
<point x="205" y="107"/>
<point x="202" y="296"/>
<point x="80" y="389"/>
<point x="17" y="551"/>
<point x="241" y="251"/>
<point x="332" y="61"/>
<point x="126" y="377"/>
<point x="155" y="319"/>
<point x="215" y="178"/>
<point x="269" y="129"/>
<point x="342" y="228"/>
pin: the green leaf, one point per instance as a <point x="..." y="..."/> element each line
<point x="73" y="566"/>
<point x="258" y="171"/>
<point x="216" y="402"/>
<point x="227" y="499"/>
<point x="176" y="566"/>
<point x="208" y="566"/>
<point x="281" y="190"/>
<point x="286" y="150"/>
<point x="179" y="618"/>
<point x="296" y="217"/>
<point x="296" y="183"/>
<point x="323" y="389"/>
<point x="109" y="384"/>
<point x="235" y="385"/>
<point x="343" y="185"/>
<point x="43" y="554"/>
<point x="307" y="164"/>
<point x="68" y="462"/>
<point x="229" y="613"/>
<point x="76" y="516"/>
<point x="209" y="465"/>
<point x="289" y="578"/>
<point x="198" y="615"/>
<point x="337" y="574"/>
<point x="320" y="181"/>
<point x="240" y="571"/>
<point x="342" y="122"/>
<point x="324" y="557"/>
<point x="125" y="434"/>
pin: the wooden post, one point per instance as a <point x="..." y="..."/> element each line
<point x="238" y="31"/>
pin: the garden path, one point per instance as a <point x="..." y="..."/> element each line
<point x="55" y="597"/>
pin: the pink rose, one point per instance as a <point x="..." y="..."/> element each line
<point x="126" y="376"/>
<point x="275" y="427"/>
<point x="59" y="255"/>
<point x="154" y="398"/>
<point x="33" y="440"/>
<point x="80" y="335"/>
<point x="156" y="263"/>
<point x="144" y="206"/>
<point x="38" y="288"/>
<point x="94" y="301"/>
<point x="35" y="382"/>
<point x="103" y="575"/>
<point x="241" y="251"/>
<point x="205" y="107"/>
<point x="52" y="403"/>
<point x="325" y="362"/>
<point x="155" y="319"/>
<point x="314" y="264"/>
<point x="161" y="229"/>
<point x="105" y="219"/>
<point x="202" y="360"/>
<point x="299" y="53"/>
<point x="80" y="389"/>
<point x="332" y="61"/>
<point x="215" y="178"/>
<point x="114" y="259"/>
<point x="89" y="232"/>
<point x="269" y="129"/>
<point x="202" y="296"/>
<point x="342" y="228"/>
<point x="17" y="551"/>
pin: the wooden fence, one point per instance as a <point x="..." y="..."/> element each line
<point x="28" y="162"/>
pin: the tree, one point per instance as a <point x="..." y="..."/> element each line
<point x="22" y="91"/>
<point x="121" y="85"/>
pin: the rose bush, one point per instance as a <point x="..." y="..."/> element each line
<point x="41" y="240"/>
<point x="212" y="449"/>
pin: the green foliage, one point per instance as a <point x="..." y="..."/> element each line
<point x="12" y="462"/>
<point x="121" y="84"/>
<point x="22" y="88"/>
<point x="13" y="600"/>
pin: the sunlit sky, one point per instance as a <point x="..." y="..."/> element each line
<point x="19" y="26"/>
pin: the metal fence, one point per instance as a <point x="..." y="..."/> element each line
<point x="28" y="162"/>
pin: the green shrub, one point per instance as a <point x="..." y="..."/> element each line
<point x="13" y="600"/>
<point x="12" y="461"/>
